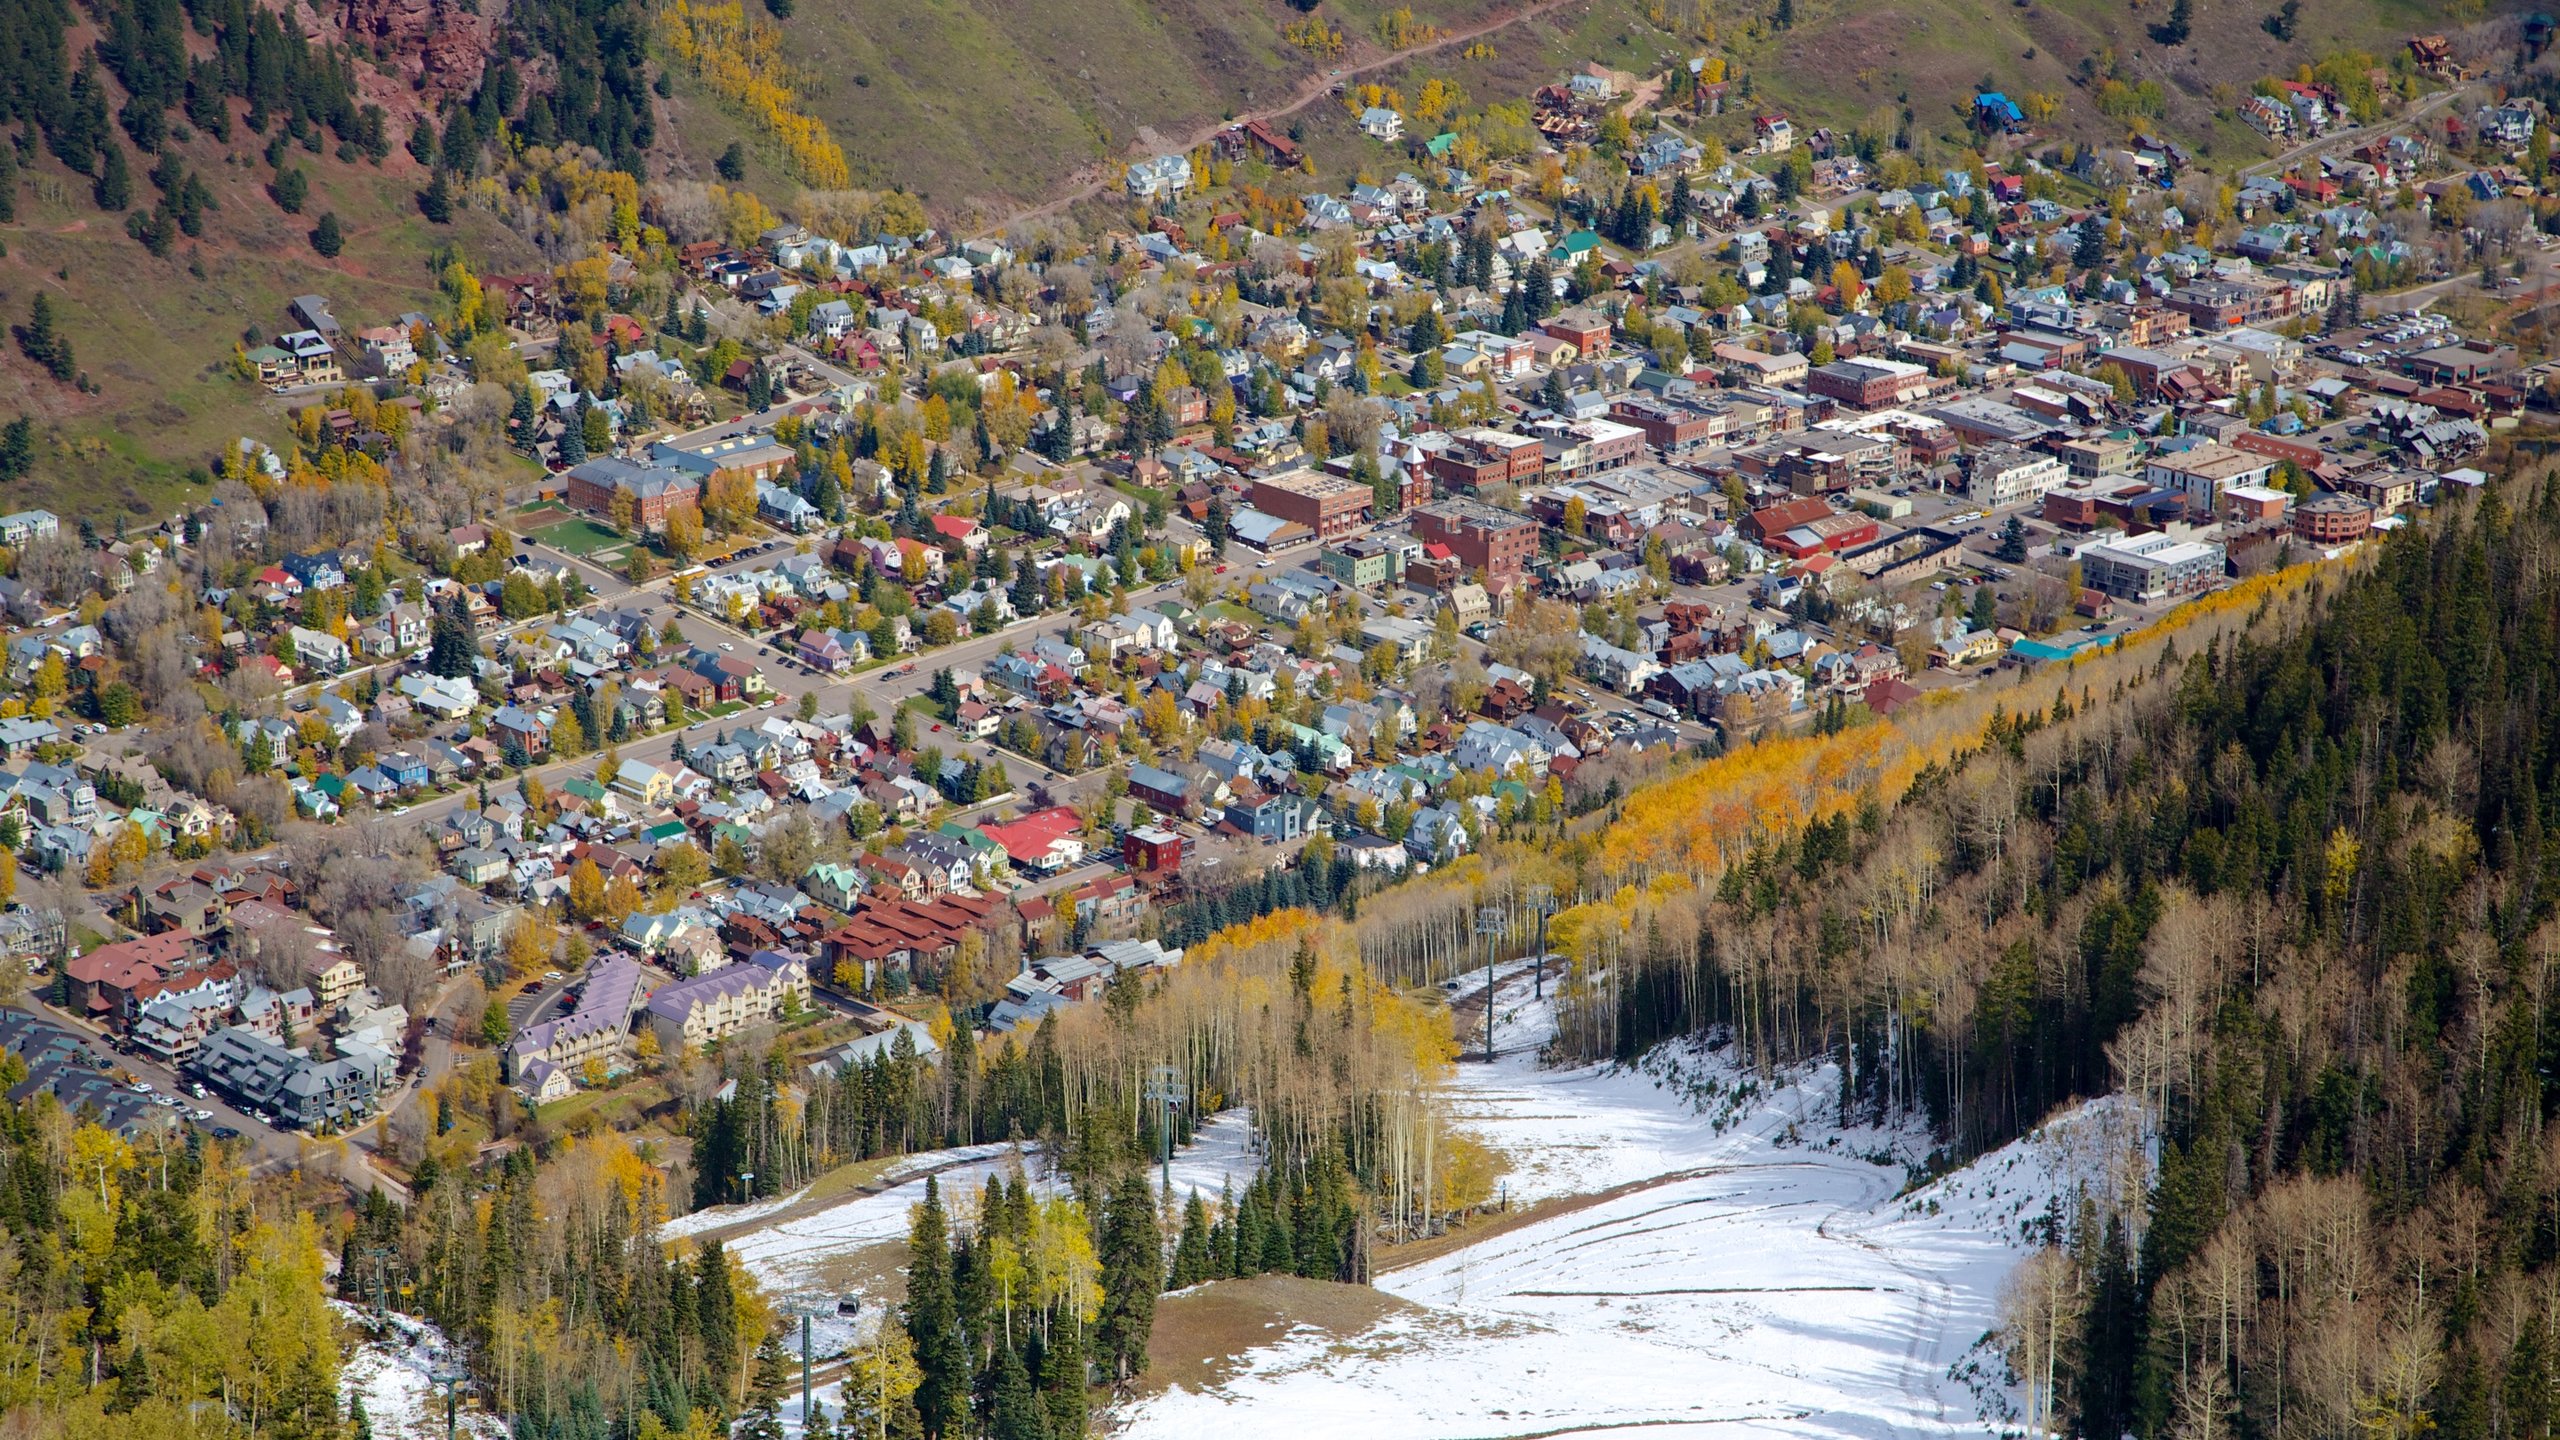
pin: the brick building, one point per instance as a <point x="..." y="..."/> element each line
<point x="654" y="489"/>
<point x="2332" y="520"/>
<point x="1481" y="538"/>
<point x="1328" y="505"/>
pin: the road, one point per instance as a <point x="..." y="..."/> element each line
<point x="2404" y="120"/>
<point x="1093" y="178"/>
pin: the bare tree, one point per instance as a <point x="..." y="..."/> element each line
<point x="2040" y="1311"/>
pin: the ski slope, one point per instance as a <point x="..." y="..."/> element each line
<point x="1720" y="1260"/>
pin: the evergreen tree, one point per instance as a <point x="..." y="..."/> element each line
<point x="2090" y="252"/>
<point x="17" y="448"/>
<point x="932" y="1319"/>
<point x="1063" y="1376"/>
<point x="762" y="1419"/>
<point x="1132" y="1274"/>
<point x="2111" y="1339"/>
<point x="326" y="238"/>
<point x="436" y="201"/>
<point x="1192" y="1262"/>
<point x="715" y="1310"/>
<point x="113" y="189"/>
<point x="290" y="189"/>
<point x="1014" y="1412"/>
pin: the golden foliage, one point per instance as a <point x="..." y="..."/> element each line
<point x="740" y="59"/>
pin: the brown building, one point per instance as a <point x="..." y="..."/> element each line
<point x="1585" y="330"/>
<point x="1473" y="459"/>
<point x="1495" y="542"/>
<point x="1329" y="505"/>
<point x="2332" y="520"/>
<point x="1669" y="429"/>
<point x="654" y="489"/>
<point x="1869" y="384"/>
<point x="1770" y="521"/>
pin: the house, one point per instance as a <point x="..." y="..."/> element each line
<point x="522" y="730"/>
<point x="1380" y="123"/>
<point x="1045" y="841"/>
<point x="250" y="1070"/>
<point x="1161" y="177"/>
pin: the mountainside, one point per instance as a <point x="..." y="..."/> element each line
<point x="997" y="101"/>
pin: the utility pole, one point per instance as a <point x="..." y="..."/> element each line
<point x="1490" y="923"/>
<point x="804" y="1369"/>
<point x="1541" y="900"/>
<point x="1165" y="1086"/>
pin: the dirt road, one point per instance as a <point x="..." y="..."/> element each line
<point x="1091" y="179"/>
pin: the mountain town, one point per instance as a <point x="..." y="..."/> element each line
<point x="706" y="821"/>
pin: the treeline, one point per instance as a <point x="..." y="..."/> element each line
<point x="150" y="1288"/>
<point x="885" y="1104"/>
<point x="580" y="1325"/>
<point x="2290" y="888"/>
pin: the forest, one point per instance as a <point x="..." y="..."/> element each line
<point x="2286" y="886"/>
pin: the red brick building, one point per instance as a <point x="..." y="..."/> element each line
<point x="654" y="489"/>
<point x="1151" y="850"/>
<point x="1330" y="505"/>
<point x="1770" y="521"/>
<point x="1473" y="459"/>
<point x="1586" y="331"/>
<point x="1671" y="430"/>
<point x="1481" y="538"/>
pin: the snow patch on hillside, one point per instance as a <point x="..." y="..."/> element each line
<point x="1723" y="1259"/>
<point x="392" y="1370"/>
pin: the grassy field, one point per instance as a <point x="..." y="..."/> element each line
<point x="581" y="537"/>
<point x="156" y="335"/>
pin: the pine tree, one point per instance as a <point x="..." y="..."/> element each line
<point x="17" y="448"/>
<point x="1014" y="1412"/>
<point x="2091" y="250"/>
<point x="762" y="1419"/>
<point x="932" y="1321"/>
<point x="1132" y="1274"/>
<point x="326" y="238"/>
<point x="436" y="201"/>
<point x="1191" y="1258"/>
<point x="715" y="1309"/>
<point x="290" y="189"/>
<point x="1063" y="1376"/>
<point x="113" y="189"/>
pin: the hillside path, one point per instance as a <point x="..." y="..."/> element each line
<point x="1094" y="178"/>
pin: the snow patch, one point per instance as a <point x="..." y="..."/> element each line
<point x="393" y="1369"/>
<point x="1727" y="1260"/>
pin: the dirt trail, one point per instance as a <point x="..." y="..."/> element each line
<point x="1091" y="179"/>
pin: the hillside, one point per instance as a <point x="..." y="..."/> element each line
<point x="988" y="101"/>
<point x="975" y="103"/>
<point x="156" y="334"/>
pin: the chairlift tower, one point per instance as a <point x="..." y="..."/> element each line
<point x="1166" y="1088"/>
<point x="1491" y="923"/>
<point x="1541" y="902"/>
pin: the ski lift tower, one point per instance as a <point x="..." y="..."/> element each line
<point x="1541" y="902"/>
<point x="1492" y="924"/>
<point x="1166" y="1088"/>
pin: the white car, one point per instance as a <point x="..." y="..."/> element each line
<point x="550" y="974"/>
<point x="200" y="1115"/>
<point x="141" y="1087"/>
<point x="725" y="645"/>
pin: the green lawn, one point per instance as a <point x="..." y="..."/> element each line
<point x="582" y="537"/>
